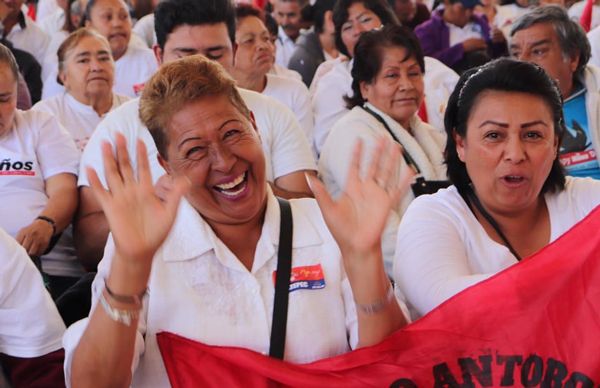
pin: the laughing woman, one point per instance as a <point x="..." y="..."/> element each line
<point x="211" y="277"/>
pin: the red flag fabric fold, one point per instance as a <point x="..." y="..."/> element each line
<point x="586" y="16"/>
<point x="534" y="324"/>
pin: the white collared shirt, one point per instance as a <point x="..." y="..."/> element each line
<point x="285" y="47"/>
<point x="200" y="290"/>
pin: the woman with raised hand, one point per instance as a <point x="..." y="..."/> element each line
<point x="207" y="274"/>
<point x="510" y="196"/>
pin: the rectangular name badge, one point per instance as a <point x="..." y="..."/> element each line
<point x="308" y="277"/>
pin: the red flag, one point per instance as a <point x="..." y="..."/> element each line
<point x="586" y="16"/>
<point x="534" y="324"/>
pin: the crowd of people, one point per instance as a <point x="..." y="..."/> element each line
<point x="219" y="169"/>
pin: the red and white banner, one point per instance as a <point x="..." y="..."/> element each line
<point x="534" y="324"/>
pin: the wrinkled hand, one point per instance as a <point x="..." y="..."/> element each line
<point x="35" y="237"/>
<point x="474" y="44"/>
<point x="138" y="219"/>
<point x="358" y="217"/>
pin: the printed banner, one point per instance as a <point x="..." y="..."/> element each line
<point x="534" y="324"/>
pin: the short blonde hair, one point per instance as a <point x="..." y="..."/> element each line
<point x="178" y="83"/>
<point x="72" y="41"/>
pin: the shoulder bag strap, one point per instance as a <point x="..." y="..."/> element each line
<point x="469" y="196"/>
<point x="282" y="281"/>
<point x="407" y="158"/>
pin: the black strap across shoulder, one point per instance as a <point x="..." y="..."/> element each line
<point x="282" y="281"/>
<point x="407" y="158"/>
<point x="470" y="197"/>
<point x="421" y="185"/>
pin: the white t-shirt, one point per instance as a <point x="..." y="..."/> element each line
<point x="460" y="34"/>
<point x="45" y="8"/>
<point x="594" y="38"/>
<point x="285" y="146"/>
<point x="29" y="322"/>
<point x="426" y="147"/>
<point x="200" y="290"/>
<point x="285" y="72"/>
<point x="80" y="120"/>
<point x="132" y="70"/>
<point x="442" y="248"/>
<point x="329" y="105"/>
<point x="51" y="59"/>
<point x="144" y="28"/>
<point x="31" y="39"/>
<point x="507" y="15"/>
<point x="53" y="22"/>
<point x="35" y="149"/>
<point x="294" y="95"/>
<point x="576" y="11"/>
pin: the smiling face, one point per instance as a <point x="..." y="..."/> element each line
<point x="360" y="19"/>
<point x="508" y="149"/>
<point x="255" y="53"/>
<point x="88" y="69"/>
<point x="218" y="150"/>
<point x="539" y="44"/>
<point x="111" y="19"/>
<point x="210" y="40"/>
<point x="397" y="89"/>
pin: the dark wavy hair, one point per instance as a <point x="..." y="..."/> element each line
<point x="368" y="56"/>
<point x="340" y="16"/>
<point x="507" y="75"/>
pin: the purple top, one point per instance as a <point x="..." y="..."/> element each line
<point x="435" y="39"/>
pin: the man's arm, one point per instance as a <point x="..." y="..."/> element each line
<point x="293" y="185"/>
<point x="90" y="229"/>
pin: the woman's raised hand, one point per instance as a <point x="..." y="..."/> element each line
<point x="358" y="217"/>
<point x="139" y="220"/>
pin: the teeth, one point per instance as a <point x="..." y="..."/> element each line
<point x="233" y="193"/>
<point x="232" y="184"/>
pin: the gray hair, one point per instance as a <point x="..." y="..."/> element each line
<point x="571" y="36"/>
